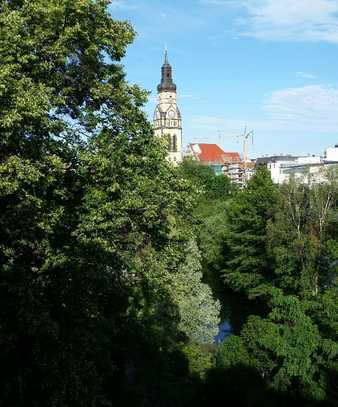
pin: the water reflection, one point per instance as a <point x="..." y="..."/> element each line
<point x="224" y="330"/>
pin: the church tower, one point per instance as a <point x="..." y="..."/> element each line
<point x="167" y="117"/>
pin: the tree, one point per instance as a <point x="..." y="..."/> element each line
<point x="56" y="70"/>
<point x="232" y="352"/>
<point x="281" y="245"/>
<point x="248" y="264"/>
<point x="209" y="216"/>
<point x="300" y="236"/>
<point x="212" y="186"/>
<point x="199" y="312"/>
<point x="288" y="350"/>
<point x="54" y="76"/>
<point x="88" y="212"/>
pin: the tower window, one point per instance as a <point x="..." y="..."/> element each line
<point x="174" y="143"/>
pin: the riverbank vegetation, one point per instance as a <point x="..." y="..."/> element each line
<point x="116" y="268"/>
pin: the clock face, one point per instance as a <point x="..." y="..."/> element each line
<point x="171" y="114"/>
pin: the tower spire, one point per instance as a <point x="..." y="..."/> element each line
<point x="167" y="83"/>
<point x="167" y="116"/>
<point x="166" y="62"/>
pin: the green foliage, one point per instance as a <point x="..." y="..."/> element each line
<point x="106" y="249"/>
<point x="212" y="219"/>
<point x="211" y="185"/>
<point x="55" y="70"/>
<point x="287" y="348"/>
<point x="248" y="265"/>
<point x="198" y="310"/>
<point x="209" y="219"/>
<point x="301" y="236"/>
<point x="201" y="359"/>
<point x="91" y="223"/>
<point x="281" y="248"/>
<point x="232" y="352"/>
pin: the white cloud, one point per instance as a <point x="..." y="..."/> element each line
<point x="306" y="75"/>
<point x="292" y="20"/>
<point x="313" y="108"/>
<point x="310" y="109"/>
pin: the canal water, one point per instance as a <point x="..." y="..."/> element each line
<point x="224" y="330"/>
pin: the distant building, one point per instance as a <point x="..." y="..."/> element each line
<point x="239" y="172"/>
<point x="308" y="169"/>
<point x="167" y="121"/>
<point x="212" y="155"/>
<point x="331" y="154"/>
<point x="274" y="158"/>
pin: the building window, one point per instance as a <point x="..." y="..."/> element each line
<point x="169" y="143"/>
<point x="174" y="141"/>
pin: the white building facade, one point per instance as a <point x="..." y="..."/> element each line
<point x="309" y="169"/>
<point x="167" y="121"/>
<point x="331" y="154"/>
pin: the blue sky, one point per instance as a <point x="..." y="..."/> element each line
<point x="269" y="64"/>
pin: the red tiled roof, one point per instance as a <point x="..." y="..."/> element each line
<point x="233" y="156"/>
<point x="212" y="153"/>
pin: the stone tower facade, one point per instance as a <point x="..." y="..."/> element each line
<point x="167" y="117"/>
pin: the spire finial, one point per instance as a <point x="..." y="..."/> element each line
<point x="166" y="54"/>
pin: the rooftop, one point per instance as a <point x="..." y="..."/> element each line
<point x="212" y="154"/>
